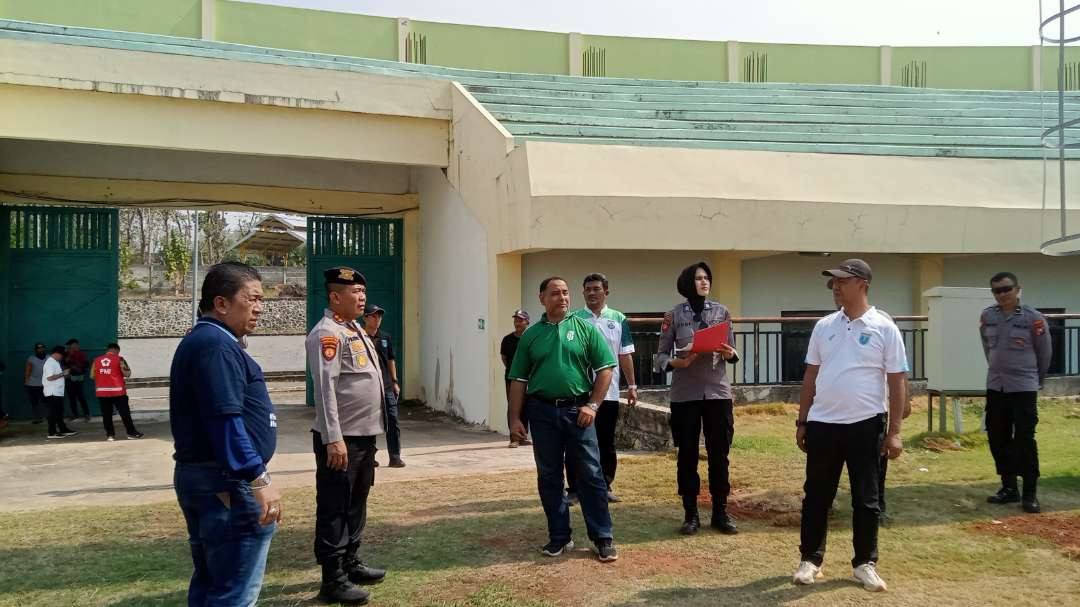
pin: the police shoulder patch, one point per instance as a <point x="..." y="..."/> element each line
<point x="329" y="346"/>
<point x="1040" y="326"/>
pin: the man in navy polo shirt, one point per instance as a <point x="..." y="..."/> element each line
<point x="224" y="432"/>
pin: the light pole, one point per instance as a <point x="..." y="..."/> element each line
<point x="195" y="268"/>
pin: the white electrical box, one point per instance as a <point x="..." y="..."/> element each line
<point x="954" y="356"/>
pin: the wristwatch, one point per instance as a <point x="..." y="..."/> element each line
<point x="799" y="423"/>
<point x="261" y="482"/>
<point x="595" y="407"/>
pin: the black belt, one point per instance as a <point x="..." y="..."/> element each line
<point x="569" y="401"/>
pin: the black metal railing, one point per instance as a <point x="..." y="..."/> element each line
<point x="772" y="349"/>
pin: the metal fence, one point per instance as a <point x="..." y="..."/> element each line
<point x="772" y="350"/>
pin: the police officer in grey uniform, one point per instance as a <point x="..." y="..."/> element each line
<point x="700" y="397"/>
<point x="349" y="394"/>
<point x="1016" y="343"/>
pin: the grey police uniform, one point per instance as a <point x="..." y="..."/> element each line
<point x="700" y="401"/>
<point x="706" y="378"/>
<point x="1017" y="347"/>
<point x="347" y="378"/>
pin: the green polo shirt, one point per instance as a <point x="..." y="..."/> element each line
<point x="558" y="360"/>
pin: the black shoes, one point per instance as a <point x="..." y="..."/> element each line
<point x="359" y="573"/>
<point x="691" y="524"/>
<point x="336" y="587"/>
<point x="396" y="462"/>
<point x="723" y="522"/>
<point x="1005" y="495"/>
<point x="605" y="550"/>
<point x="556" y="548"/>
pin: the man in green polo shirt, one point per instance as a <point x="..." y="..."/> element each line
<point x="554" y="363"/>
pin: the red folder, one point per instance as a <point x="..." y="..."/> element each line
<point x="709" y="340"/>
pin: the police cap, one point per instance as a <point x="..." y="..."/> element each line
<point x="343" y="275"/>
<point x="370" y="309"/>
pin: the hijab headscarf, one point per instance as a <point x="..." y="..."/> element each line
<point x="687" y="288"/>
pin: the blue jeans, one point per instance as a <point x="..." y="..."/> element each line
<point x="556" y="436"/>
<point x="228" y="545"/>
<point x="393" y="431"/>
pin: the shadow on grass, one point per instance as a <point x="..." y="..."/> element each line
<point x="766" y="591"/>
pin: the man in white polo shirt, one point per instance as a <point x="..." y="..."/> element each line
<point x="854" y="362"/>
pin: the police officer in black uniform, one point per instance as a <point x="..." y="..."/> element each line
<point x="1016" y="343"/>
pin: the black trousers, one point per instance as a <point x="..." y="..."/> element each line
<point x="828" y="448"/>
<point x="1011" y="418"/>
<point x="55" y="406"/>
<point x="716" y="418"/>
<point x="36" y="396"/>
<point x="607" y="417"/>
<point x="74" y="391"/>
<point x="120" y="403"/>
<point x="341" y="498"/>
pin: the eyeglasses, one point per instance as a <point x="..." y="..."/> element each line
<point x="1002" y="290"/>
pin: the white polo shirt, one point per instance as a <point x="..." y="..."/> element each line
<point x="613" y="325"/>
<point x="854" y="356"/>
<point x="54" y="387"/>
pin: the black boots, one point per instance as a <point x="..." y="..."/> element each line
<point x="691" y="522"/>
<point x="359" y="573"/>
<point x="1007" y="494"/>
<point x="721" y="521"/>
<point x="336" y="587"/>
<point x="1029" y="502"/>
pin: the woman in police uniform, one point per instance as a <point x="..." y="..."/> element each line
<point x="700" y="396"/>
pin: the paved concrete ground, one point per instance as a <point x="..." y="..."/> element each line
<point x="151" y="357"/>
<point x="86" y="470"/>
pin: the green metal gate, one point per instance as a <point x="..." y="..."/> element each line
<point x="372" y="246"/>
<point x="58" y="280"/>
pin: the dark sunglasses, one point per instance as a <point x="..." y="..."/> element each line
<point x="1002" y="290"/>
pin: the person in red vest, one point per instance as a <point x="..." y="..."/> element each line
<point x="108" y="373"/>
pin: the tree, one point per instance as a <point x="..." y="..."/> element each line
<point x="298" y="256"/>
<point x="177" y="259"/>
<point x="127" y="278"/>
<point x="214" y="237"/>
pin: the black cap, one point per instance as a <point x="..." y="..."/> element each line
<point x="851" y="267"/>
<point x="59" y="350"/>
<point x="370" y="309"/>
<point x="522" y="314"/>
<point x="343" y="275"/>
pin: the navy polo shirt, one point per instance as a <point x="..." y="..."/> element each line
<point x="212" y="377"/>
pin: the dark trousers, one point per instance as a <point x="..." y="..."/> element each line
<point x="35" y="395"/>
<point x="883" y="468"/>
<point x="606" y="419"/>
<point x="120" y="403"/>
<point x="828" y="448"/>
<point x="228" y="545"/>
<point x="555" y="433"/>
<point x="1011" y="418"/>
<point x="524" y="409"/>
<point x="341" y="498"/>
<point x="74" y="392"/>
<point x="717" y="419"/>
<point x="55" y="406"/>
<point x="393" y="431"/>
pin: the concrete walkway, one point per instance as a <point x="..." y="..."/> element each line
<point x="85" y="470"/>
<point x="151" y="357"/>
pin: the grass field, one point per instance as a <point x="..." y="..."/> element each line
<point x="472" y="541"/>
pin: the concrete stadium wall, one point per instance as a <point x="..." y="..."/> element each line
<point x="168" y="17"/>
<point x="454" y="363"/>
<point x="172" y="317"/>
<point x="1048" y="282"/>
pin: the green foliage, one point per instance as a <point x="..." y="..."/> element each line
<point x="298" y="256"/>
<point x="249" y="257"/>
<point x="127" y="278"/>
<point x="177" y="259"/>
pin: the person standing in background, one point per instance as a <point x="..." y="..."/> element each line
<point x="32" y="381"/>
<point x="384" y="347"/>
<point x="110" y="372"/>
<point x="52" y="380"/>
<point x="507" y="349"/>
<point x="75" y="361"/>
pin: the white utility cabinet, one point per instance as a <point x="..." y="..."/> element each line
<point x="954" y="356"/>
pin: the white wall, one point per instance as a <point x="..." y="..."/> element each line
<point x="454" y="362"/>
<point x="794" y="282"/>
<point x="640" y="281"/>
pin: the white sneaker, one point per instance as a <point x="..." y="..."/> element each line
<point x="867" y="575"/>
<point x="806" y="573"/>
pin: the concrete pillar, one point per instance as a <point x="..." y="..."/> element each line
<point x="885" y="54"/>
<point x="1036" y="68"/>
<point x="410" y="300"/>
<point x="404" y="27"/>
<point x="574" y="45"/>
<point x="734" y="58"/>
<point x="505" y="297"/>
<point x="929" y="273"/>
<point x="727" y="280"/>
<point x="208" y="27"/>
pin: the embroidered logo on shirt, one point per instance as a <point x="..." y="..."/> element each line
<point x="569" y="336"/>
<point x="329" y="347"/>
<point x="864" y="338"/>
<point x="611" y="324"/>
<point x="273" y="420"/>
<point x="1019" y="342"/>
<point x="1040" y="327"/>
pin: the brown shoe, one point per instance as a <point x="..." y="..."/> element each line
<point x="513" y="444"/>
